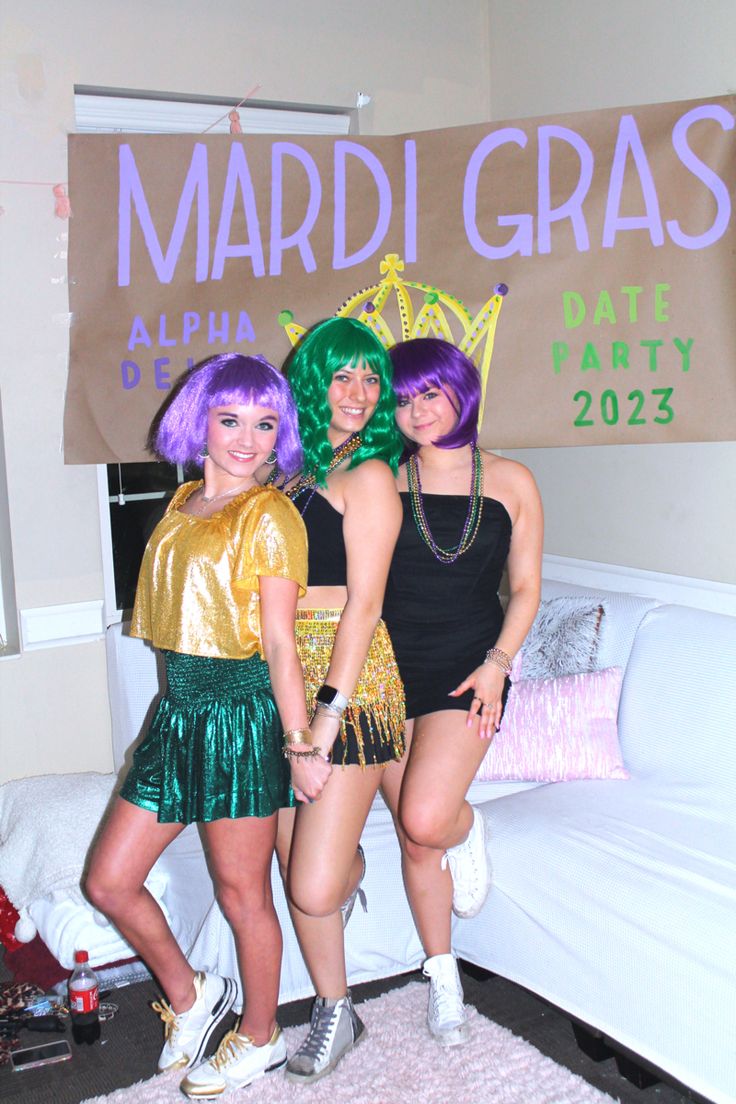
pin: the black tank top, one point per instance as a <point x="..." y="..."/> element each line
<point x="422" y="590"/>
<point x="327" y="560"/>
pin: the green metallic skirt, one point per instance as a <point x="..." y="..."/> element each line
<point x="214" y="745"/>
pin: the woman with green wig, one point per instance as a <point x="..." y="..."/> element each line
<point x="340" y="376"/>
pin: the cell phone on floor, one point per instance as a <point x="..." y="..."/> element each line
<point x="44" y="1055"/>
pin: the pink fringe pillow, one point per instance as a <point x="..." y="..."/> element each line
<point x="556" y="730"/>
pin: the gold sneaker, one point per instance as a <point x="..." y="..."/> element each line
<point x="237" y="1062"/>
<point x="188" y="1033"/>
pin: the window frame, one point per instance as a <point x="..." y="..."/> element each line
<point x="9" y="627"/>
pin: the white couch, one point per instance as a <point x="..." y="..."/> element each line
<point x="615" y="900"/>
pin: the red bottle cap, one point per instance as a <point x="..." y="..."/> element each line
<point x="81" y="956"/>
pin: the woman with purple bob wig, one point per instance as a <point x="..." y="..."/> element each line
<point x="467" y="515"/>
<point x="181" y="432"/>
<point x="428" y="364"/>
<point x="217" y="593"/>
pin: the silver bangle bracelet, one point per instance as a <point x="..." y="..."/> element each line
<point x="330" y="710"/>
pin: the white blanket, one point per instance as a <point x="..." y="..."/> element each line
<point x="46" y="827"/>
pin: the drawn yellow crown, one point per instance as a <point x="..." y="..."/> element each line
<point x="369" y="306"/>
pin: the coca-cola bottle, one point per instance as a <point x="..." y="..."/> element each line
<point x="84" y="1000"/>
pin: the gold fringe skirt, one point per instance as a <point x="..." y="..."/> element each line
<point x="372" y="728"/>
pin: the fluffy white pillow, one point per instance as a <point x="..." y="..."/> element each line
<point x="563" y="639"/>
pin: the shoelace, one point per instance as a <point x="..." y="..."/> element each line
<point x="315" y="1044"/>
<point x="230" y="1049"/>
<point x="451" y="861"/>
<point x="346" y="908"/>
<point x="170" y="1018"/>
<point x="446" y="1001"/>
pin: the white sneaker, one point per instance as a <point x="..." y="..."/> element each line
<point x="446" y="1017"/>
<point x="335" y="1028"/>
<point x="188" y="1033"/>
<point x="237" y="1063"/>
<point x="470" y="869"/>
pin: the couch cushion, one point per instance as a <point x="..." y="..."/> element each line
<point x="677" y="719"/>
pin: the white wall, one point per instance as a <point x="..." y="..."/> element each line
<point x="425" y="62"/>
<point x="660" y="507"/>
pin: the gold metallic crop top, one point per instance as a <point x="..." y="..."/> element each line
<point x="198" y="584"/>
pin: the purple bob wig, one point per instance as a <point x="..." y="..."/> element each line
<point x="423" y="363"/>
<point x="180" y="432"/>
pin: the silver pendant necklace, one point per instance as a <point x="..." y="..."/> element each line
<point x="207" y="499"/>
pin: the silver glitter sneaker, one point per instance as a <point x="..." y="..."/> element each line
<point x="335" y="1029"/>
<point x="346" y="908"/>
<point x="446" y="1017"/>
<point x="470" y="869"/>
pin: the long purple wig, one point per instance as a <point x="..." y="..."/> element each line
<point x="181" y="432"/>
<point x="423" y="363"/>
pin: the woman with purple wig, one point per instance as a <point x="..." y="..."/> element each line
<point x="217" y="592"/>
<point x="467" y="514"/>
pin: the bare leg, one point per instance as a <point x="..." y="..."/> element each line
<point x="432" y="814"/>
<point x="130" y="843"/>
<point x="324" y="869"/>
<point x="240" y="852"/>
<point x="284" y="836"/>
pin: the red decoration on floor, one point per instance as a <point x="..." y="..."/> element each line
<point x="34" y="962"/>
<point x="8" y="920"/>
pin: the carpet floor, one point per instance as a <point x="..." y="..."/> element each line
<point x="132" y="1040"/>
<point x="400" y="1063"/>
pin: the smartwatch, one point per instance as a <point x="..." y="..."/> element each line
<point x="332" y="698"/>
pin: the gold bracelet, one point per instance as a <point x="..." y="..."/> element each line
<point x="297" y="736"/>
<point x="291" y="753"/>
<point x="499" y="658"/>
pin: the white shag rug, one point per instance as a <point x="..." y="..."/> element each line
<point x="398" y="1062"/>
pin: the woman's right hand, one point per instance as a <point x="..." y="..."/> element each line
<point x="309" y="774"/>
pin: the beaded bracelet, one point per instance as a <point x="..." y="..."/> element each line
<point x="499" y="658"/>
<point x="297" y="736"/>
<point x="291" y="752"/>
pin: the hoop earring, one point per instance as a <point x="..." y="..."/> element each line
<point x="203" y="453"/>
<point x="271" y="458"/>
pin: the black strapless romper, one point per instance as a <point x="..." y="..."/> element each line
<point x="443" y="618"/>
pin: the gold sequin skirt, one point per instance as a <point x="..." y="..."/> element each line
<point x="372" y="728"/>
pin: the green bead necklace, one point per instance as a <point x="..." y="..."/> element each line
<point x="472" y="519"/>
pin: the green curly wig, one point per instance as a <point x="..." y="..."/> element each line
<point x="333" y="344"/>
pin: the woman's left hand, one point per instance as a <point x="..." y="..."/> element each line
<point x="325" y="727"/>
<point x="487" y="683"/>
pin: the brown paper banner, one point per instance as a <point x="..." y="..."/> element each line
<point x="601" y="246"/>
